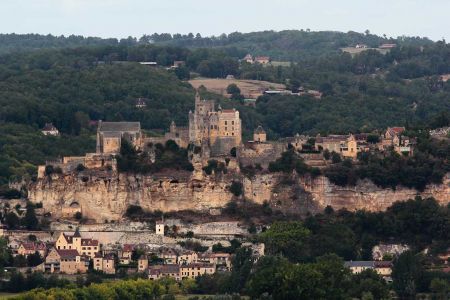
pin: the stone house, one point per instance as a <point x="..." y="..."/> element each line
<point x="168" y="255"/>
<point x="383" y="268"/>
<point x="104" y="263"/>
<point x="187" y="257"/>
<point x="216" y="259"/>
<point x="159" y="271"/>
<point x="140" y="103"/>
<point x="196" y="269"/>
<point x="26" y="249"/>
<point x="88" y="247"/>
<point x="262" y="60"/>
<point x="67" y="261"/>
<point x="50" y="129"/>
<point x="248" y="58"/>
<point x="142" y="263"/>
<point x="126" y="253"/>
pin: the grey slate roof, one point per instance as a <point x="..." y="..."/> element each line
<point x="119" y="126"/>
<point x="359" y="263"/>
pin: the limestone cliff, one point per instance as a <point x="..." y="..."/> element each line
<point x="107" y="196"/>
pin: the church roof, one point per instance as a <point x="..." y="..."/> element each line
<point x="119" y="126"/>
<point x="259" y="129"/>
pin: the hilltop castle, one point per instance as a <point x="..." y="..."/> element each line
<point x="217" y="131"/>
<point x="221" y="130"/>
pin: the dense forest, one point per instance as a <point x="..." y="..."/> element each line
<point x="73" y="81"/>
<point x="286" y="45"/>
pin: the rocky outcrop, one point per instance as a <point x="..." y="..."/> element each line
<point x="366" y="195"/>
<point x="107" y="197"/>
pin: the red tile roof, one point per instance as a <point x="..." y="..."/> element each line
<point x="34" y="246"/>
<point x="397" y="130"/>
<point x="128" y="247"/>
<point x="67" y="253"/>
<point x="89" y="242"/>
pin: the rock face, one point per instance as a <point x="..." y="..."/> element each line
<point x="107" y="197"/>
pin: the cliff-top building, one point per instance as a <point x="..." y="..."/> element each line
<point x="110" y="135"/>
<point x="220" y="130"/>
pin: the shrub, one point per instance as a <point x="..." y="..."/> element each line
<point x="236" y="188"/>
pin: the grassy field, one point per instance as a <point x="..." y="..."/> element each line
<point x="9" y="295"/>
<point x="354" y="51"/>
<point x="249" y="88"/>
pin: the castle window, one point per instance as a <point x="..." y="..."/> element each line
<point x="232" y="122"/>
<point x="226" y="128"/>
<point x="232" y="133"/>
<point x="225" y="122"/>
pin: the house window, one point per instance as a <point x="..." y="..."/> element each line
<point x="232" y="122"/>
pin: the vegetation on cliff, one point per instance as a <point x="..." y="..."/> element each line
<point x="428" y="165"/>
<point x="168" y="156"/>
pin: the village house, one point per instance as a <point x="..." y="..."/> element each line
<point x="126" y="253"/>
<point x="394" y="138"/>
<point x="383" y="268"/>
<point x="140" y="103"/>
<point x="159" y="271"/>
<point x="196" y="269"/>
<point x="168" y="255"/>
<point x="67" y="261"/>
<point x="248" y="58"/>
<point x="222" y="260"/>
<point x="104" y="263"/>
<point x="262" y="60"/>
<point x="142" y="263"/>
<point x="50" y="129"/>
<point x="87" y="247"/>
<point x="26" y="249"/>
<point x="187" y="257"/>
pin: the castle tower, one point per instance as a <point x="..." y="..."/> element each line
<point x="159" y="227"/>
<point x="76" y="240"/>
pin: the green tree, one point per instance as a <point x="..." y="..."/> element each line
<point x="406" y="272"/>
<point x="289" y="239"/>
<point x="30" y="220"/>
